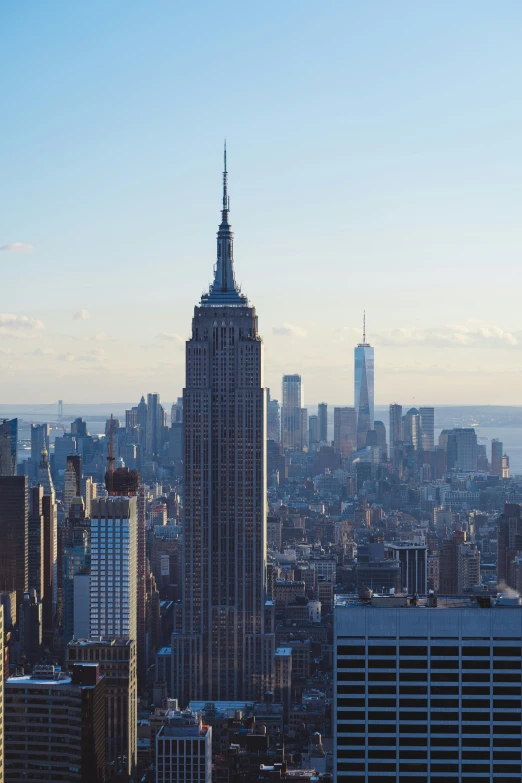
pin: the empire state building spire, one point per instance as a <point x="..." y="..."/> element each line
<point x="224" y="289"/>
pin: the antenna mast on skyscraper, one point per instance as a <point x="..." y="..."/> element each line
<point x="364" y="327"/>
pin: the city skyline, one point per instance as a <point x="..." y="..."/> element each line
<point x="319" y="202"/>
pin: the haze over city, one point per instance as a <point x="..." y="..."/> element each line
<point x="374" y="164"/>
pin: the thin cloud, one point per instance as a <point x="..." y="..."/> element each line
<point x="170" y="336"/>
<point x="66" y="357"/>
<point x="19" y="326"/>
<point x="289" y="330"/>
<point x="17" y="247"/>
<point x="81" y="315"/>
<point x="456" y="336"/>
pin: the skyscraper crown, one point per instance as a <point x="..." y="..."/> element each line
<point x="224" y="290"/>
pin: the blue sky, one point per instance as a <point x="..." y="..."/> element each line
<point x="374" y="156"/>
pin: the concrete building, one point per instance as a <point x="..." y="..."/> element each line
<point x="224" y="650"/>
<point x="273" y="415"/>
<point x="117" y="661"/>
<point x="114" y="567"/>
<point x="427" y="693"/>
<point x="497" y="448"/>
<point x="54" y="726"/>
<point x="184" y="750"/>
<point x="427" y="428"/>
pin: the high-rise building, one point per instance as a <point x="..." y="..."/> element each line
<point x="313" y="430"/>
<point x="291" y="418"/>
<point x="505" y="466"/>
<point x="8" y="443"/>
<point x="395" y="434"/>
<point x="364" y="388"/>
<point x="427" y="428"/>
<point x="184" y="749"/>
<point x="273" y="416"/>
<point x="223" y="651"/>
<point x="461" y="449"/>
<point x="155" y="425"/>
<point x="39" y="438"/>
<point x="411" y="428"/>
<point x="72" y="480"/>
<point x="35" y="542"/>
<point x="459" y="565"/>
<point x="50" y="565"/>
<point x="423" y="691"/>
<point x="413" y="560"/>
<point x="509" y="542"/>
<point x="380" y="432"/>
<point x="14" y="519"/>
<point x="114" y="566"/>
<point x="55" y="726"/>
<point x="117" y="661"/>
<point x="497" y="448"/>
<point x="345" y="431"/>
<point x="44" y="473"/>
<point x="322" y="413"/>
<point x="4" y="626"/>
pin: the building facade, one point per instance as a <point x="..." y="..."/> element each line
<point x="364" y="389"/>
<point x="8" y="444"/>
<point x="345" y="430"/>
<point x="291" y="417"/>
<point x="427" y="693"/>
<point x="223" y="651"/>
<point x="14" y="534"/>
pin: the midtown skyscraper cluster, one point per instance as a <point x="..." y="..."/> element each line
<point x="248" y="589"/>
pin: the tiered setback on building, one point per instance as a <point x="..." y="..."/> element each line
<point x="428" y="693"/>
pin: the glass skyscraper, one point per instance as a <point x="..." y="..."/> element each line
<point x="363" y="389"/>
<point x="8" y="439"/>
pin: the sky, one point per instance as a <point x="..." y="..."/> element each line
<point x="375" y="164"/>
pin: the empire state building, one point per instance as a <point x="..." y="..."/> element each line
<point x="225" y="650"/>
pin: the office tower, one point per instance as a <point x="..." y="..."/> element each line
<point x="117" y="661"/>
<point x="141" y="609"/>
<point x="155" y="425"/>
<point x="3" y="637"/>
<point x="63" y="448"/>
<point x="459" y="566"/>
<point x="291" y="421"/>
<point x="44" y="473"/>
<point x="380" y="431"/>
<point x="395" y="434"/>
<point x="131" y="418"/>
<point x="304" y="429"/>
<point x="461" y="449"/>
<point x="31" y="627"/>
<point x="50" y="572"/>
<point x="424" y="692"/>
<point x="55" y="726"/>
<point x="87" y="492"/>
<point x="39" y="438"/>
<point x="223" y="651"/>
<point x="176" y="412"/>
<point x="14" y="517"/>
<point x="8" y="442"/>
<point x="322" y="413"/>
<point x="509" y="542"/>
<point x="363" y="388"/>
<point x="427" y="428"/>
<point x="411" y="428"/>
<point x="76" y="582"/>
<point x="72" y="481"/>
<point x="505" y="467"/>
<point x="79" y="428"/>
<point x="184" y="749"/>
<point x="345" y="431"/>
<point x="35" y="542"/>
<point x="114" y="565"/>
<point x="413" y="560"/>
<point x="313" y="430"/>
<point x="497" y="447"/>
<point x="273" y="415"/>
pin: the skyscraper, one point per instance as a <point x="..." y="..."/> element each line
<point x="497" y="448"/>
<point x="291" y="418"/>
<point x="345" y="431"/>
<point x="114" y="565"/>
<point x="427" y="428"/>
<point x="322" y="413"/>
<point x="223" y="651"/>
<point x="39" y="439"/>
<point x="8" y="440"/>
<point x="364" y="388"/>
<point x="14" y="553"/>
<point x="274" y="421"/>
<point x="395" y="434"/>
